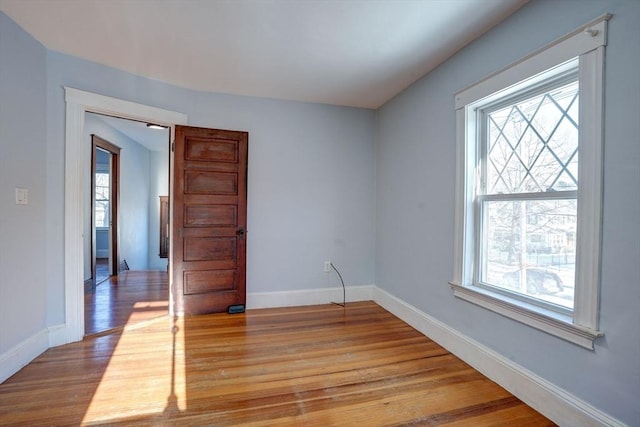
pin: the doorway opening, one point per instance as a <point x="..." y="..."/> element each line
<point x="105" y="160"/>
<point x="129" y="177"/>
<point x="79" y="102"/>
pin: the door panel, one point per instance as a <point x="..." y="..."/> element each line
<point x="211" y="183"/>
<point x="197" y="282"/>
<point x="209" y="219"/>
<point x="221" y="215"/>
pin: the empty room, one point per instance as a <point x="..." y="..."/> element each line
<point x="359" y="212"/>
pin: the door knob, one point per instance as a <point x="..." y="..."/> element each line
<point x="240" y="233"/>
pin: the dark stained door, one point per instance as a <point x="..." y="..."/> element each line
<point x="209" y="219"/>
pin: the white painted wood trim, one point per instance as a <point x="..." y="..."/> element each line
<point x="308" y="297"/>
<point x="73" y="217"/>
<point x="57" y="335"/>
<point x="590" y="194"/>
<point x="78" y="102"/>
<point x="576" y="43"/>
<point x="102" y="104"/>
<point x="459" y="214"/>
<point x="21" y="354"/>
<point x="547" y="321"/>
<point x="550" y="400"/>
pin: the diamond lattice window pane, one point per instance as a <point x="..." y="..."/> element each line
<point x="533" y="144"/>
<point x="547" y="116"/>
<point x="497" y="164"/>
<point x="547" y="169"/>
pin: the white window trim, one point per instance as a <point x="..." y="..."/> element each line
<point x="587" y="43"/>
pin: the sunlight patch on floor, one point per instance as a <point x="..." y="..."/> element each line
<point x="153" y="304"/>
<point x="158" y="374"/>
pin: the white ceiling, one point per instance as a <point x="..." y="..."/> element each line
<point x="345" y="52"/>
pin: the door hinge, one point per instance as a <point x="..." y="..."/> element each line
<point x="173" y="146"/>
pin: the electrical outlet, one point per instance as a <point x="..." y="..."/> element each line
<point x="327" y="266"/>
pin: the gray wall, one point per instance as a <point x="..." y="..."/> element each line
<point x="135" y="177"/>
<point x="23" y="163"/>
<point x="158" y="186"/>
<point x="415" y="177"/>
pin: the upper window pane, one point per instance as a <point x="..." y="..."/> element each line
<point x="532" y="145"/>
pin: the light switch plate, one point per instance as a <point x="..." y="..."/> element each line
<point x="22" y="196"/>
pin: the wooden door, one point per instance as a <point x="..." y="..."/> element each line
<point x="209" y="219"/>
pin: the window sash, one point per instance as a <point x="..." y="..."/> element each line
<point x="548" y="81"/>
<point x="481" y="244"/>
<point x="552" y="81"/>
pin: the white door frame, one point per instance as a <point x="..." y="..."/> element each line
<point x="78" y="103"/>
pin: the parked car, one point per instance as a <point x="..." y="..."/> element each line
<point x="539" y="281"/>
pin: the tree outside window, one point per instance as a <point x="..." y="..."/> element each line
<point x="102" y="200"/>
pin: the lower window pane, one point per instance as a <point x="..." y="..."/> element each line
<point x="529" y="248"/>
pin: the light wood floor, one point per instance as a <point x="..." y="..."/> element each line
<point x="130" y="297"/>
<point x="303" y="366"/>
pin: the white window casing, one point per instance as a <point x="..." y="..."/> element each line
<point x="587" y="43"/>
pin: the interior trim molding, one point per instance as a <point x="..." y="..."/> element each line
<point x="550" y="400"/>
<point x="57" y="335"/>
<point x="23" y="353"/>
<point x="551" y="323"/>
<point x="79" y="102"/>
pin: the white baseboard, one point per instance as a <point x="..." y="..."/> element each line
<point x="102" y="253"/>
<point x="553" y="402"/>
<point x="308" y="297"/>
<point x="58" y="335"/>
<point x="20" y="355"/>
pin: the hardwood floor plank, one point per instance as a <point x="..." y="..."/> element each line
<point x="317" y="365"/>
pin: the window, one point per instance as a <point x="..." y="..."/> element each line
<point x="529" y="188"/>
<point x="102" y="199"/>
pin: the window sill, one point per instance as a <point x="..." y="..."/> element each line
<point x="547" y="321"/>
